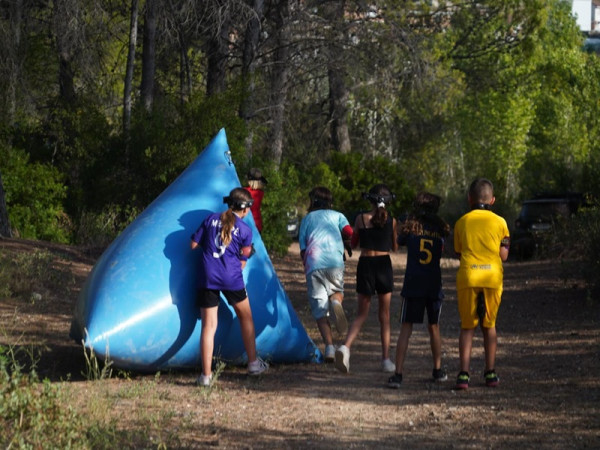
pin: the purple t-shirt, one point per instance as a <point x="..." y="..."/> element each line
<point x="221" y="267"/>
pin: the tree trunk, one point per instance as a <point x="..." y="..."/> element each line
<point x="338" y="110"/>
<point x="149" y="55"/>
<point x="338" y="92"/>
<point x="279" y="85"/>
<point x="128" y="88"/>
<point x="218" y="53"/>
<point x="66" y="74"/>
<point x="248" y="65"/>
<point x="248" y="58"/>
<point x="5" y="230"/>
<point x="16" y="19"/>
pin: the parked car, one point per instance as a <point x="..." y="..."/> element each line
<point x="536" y="225"/>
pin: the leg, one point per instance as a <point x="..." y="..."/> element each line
<point x="325" y="330"/>
<point x="384" y="322"/>
<point x="209" y="318"/>
<point x="244" y="313"/>
<point x="364" y="301"/>
<point x="435" y="342"/>
<point x="465" y="344"/>
<point x="402" y="345"/>
<point x="339" y="296"/>
<point x="490" y="342"/>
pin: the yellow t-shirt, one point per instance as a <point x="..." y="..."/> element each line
<point x="477" y="237"/>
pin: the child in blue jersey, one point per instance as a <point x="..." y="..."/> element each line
<point x="226" y="243"/>
<point x="423" y="233"/>
<point x="321" y="238"/>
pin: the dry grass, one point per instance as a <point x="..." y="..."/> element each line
<point x="548" y="361"/>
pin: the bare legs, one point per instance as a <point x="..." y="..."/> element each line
<point x="435" y="341"/>
<point x="209" y="318"/>
<point x="465" y="344"/>
<point x="364" y="302"/>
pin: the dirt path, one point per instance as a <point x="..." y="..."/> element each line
<point x="548" y="362"/>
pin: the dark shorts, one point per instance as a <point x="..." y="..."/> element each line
<point x="374" y="275"/>
<point x="209" y="298"/>
<point x="413" y="310"/>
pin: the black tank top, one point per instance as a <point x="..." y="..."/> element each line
<point x="379" y="239"/>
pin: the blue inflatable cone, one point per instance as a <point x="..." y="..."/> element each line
<point x="137" y="307"/>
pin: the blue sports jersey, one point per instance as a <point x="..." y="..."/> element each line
<point x="321" y="239"/>
<point x="221" y="267"/>
<point x="423" y="277"/>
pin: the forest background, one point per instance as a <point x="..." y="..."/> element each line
<point x="104" y="103"/>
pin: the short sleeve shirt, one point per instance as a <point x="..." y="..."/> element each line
<point x="321" y="239"/>
<point x="423" y="276"/>
<point x="221" y="267"/>
<point x="477" y="237"/>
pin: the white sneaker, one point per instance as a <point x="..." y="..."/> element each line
<point x="204" y="380"/>
<point x="329" y="353"/>
<point x="257" y="367"/>
<point x="342" y="359"/>
<point x="388" y="366"/>
<point x="339" y="316"/>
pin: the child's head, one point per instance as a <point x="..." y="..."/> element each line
<point x="256" y="180"/>
<point x="427" y="202"/>
<point x="320" y="198"/>
<point x="380" y="196"/>
<point x="481" y="193"/>
<point x="238" y="199"/>
<point x="239" y="202"/>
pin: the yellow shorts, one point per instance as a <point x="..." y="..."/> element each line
<point x="467" y="307"/>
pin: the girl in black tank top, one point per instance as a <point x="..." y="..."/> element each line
<point x="375" y="233"/>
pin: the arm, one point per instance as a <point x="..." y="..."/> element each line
<point x="395" y="235"/>
<point x="504" y="248"/>
<point x="355" y="242"/>
<point x="194" y="245"/>
<point x="347" y="234"/>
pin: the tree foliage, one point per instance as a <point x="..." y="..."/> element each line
<point x="418" y="95"/>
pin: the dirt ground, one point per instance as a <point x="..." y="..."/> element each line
<point x="548" y="361"/>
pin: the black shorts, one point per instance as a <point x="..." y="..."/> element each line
<point x="209" y="298"/>
<point x="413" y="310"/>
<point x="374" y="275"/>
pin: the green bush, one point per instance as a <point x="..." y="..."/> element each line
<point x="349" y="175"/>
<point x="34" y="196"/>
<point x="581" y="242"/>
<point x="32" y="414"/>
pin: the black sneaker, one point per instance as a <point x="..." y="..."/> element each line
<point x="395" y="381"/>
<point x="491" y="378"/>
<point x="439" y="375"/>
<point x="462" y="380"/>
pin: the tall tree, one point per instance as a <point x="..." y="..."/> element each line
<point x="5" y="229"/>
<point x="128" y="84"/>
<point x="279" y="79"/>
<point x="218" y="47"/>
<point x="149" y="54"/>
<point x="251" y="41"/>
<point x="336" y="73"/>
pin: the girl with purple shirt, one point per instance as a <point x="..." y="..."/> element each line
<point x="226" y="242"/>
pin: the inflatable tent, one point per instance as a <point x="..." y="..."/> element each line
<point x="137" y="307"/>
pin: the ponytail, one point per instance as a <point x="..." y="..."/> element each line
<point x="379" y="219"/>
<point x="237" y="200"/>
<point x="227" y="222"/>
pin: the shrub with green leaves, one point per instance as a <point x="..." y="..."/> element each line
<point x="33" y="414"/>
<point x="34" y="196"/>
<point x="581" y="240"/>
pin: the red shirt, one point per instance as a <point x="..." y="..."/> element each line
<point x="257" y="196"/>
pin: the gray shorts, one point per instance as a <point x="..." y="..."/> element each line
<point x="322" y="284"/>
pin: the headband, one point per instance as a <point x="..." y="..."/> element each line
<point x="237" y="204"/>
